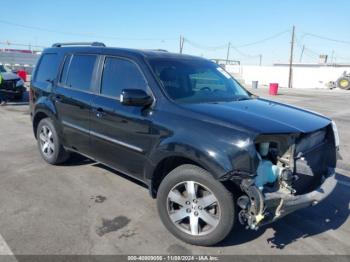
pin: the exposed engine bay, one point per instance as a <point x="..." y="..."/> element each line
<point x="290" y="167"/>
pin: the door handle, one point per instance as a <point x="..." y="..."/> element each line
<point x="100" y="112"/>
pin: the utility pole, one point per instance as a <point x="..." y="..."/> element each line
<point x="182" y="40"/>
<point x="302" y="53"/>
<point x="260" y="59"/>
<point x="290" y="85"/>
<point x="180" y="44"/>
<point x="228" y="52"/>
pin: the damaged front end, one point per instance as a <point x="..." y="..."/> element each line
<point x="294" y="171"/>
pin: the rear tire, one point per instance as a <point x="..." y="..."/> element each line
<point x="205" y="220"/>
<point x="49" y="143"/>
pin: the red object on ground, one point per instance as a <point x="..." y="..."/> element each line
<point x="273" y="90"/>
<point x="22" y="74"/>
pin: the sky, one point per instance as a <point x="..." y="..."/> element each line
<point x="207" y="26"/>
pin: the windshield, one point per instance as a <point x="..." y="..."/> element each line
<point x="3" y="69"/>
<point x="196" y="81"/>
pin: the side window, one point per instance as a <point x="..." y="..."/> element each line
<point x="47" y="69"/>
<point x="80" y="72"/>
<point x="119" y="74"/>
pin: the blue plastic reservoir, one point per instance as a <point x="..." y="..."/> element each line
<point x="266" y="173"/>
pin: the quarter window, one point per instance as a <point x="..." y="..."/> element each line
<point x="119" y="74"/>
<point x="80" y="72"/>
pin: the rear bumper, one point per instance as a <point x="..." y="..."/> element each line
<point x="278" y="204"/>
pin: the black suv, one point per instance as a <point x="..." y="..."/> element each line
<point x="208" y="150"/>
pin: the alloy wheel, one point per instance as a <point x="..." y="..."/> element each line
<point x="46" y="141"/>
<point x="193" y="208"/>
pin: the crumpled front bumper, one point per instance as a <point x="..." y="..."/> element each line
<point x="11" y="94"/>
<point x="278" y="204"/>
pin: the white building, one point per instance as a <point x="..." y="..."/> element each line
<point x="303" y="76"/>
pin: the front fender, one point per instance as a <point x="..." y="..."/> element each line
<point x="218" y="154"/>
<point x="216" y="165"/>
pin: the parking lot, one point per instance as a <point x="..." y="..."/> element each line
<point x="85" y="208"/>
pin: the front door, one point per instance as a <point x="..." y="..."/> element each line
<point x="121" y="136"/>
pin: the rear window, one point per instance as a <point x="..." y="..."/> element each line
<point x="47" y="70"/>
<point x="80" y="72"/>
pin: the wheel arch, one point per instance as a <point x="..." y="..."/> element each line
<point x="219" y="161"/>
<point x="44" y="108"/>
<point x="170" y="156"/>
<point x="164" y="167"/>
<point x="36" y="120"/>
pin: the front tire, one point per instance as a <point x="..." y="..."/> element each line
<point x="195" y="207"/>
<point x="49" y="143"/>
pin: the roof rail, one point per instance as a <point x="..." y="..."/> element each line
<point x="159" y="50"/>
<point x="79" y="43"/>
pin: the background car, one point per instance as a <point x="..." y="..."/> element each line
<point x="12" y="86"/>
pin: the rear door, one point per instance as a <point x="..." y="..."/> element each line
<point x="121" y="135"/>
<point x="73" y="97"/>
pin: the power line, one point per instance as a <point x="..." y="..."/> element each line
<point x="213" y="48"/>
<point x="192" y="43"/>
<point x="341" y="57"/>
<point x="203" y="47"/>
<point x="264" y="39"/>
<point x="221" y="47"/>
<point x="311" y="53"/>
<point x="306" y="49"/>
<point x="243" y="53"/>
<point x="326" y="38"/>
<point x="80" y="34"/>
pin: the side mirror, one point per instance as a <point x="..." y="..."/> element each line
<point x="135" y="97"/>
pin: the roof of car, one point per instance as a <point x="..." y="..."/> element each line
<point x="149" y="53"/>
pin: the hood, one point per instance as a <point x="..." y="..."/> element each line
<point x="261" y="116"/>
<point x="9" y="76"/>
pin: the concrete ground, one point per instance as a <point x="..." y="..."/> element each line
<point x="85" y="208"/>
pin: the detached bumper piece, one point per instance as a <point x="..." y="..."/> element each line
<point x="259" y="209"/>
